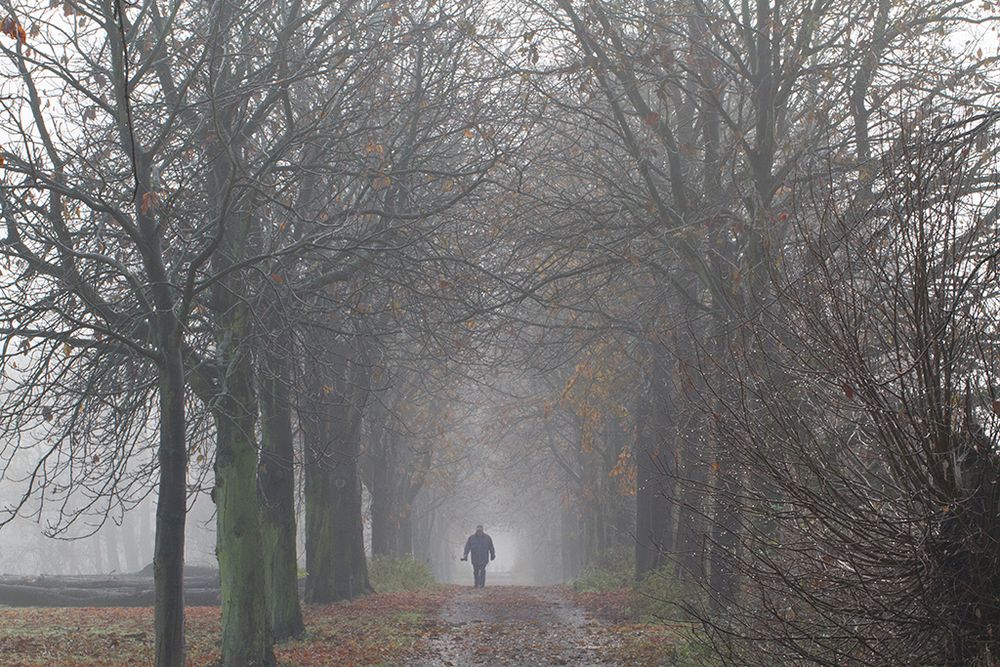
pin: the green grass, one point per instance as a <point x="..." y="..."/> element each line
<point x="399" y="574"/>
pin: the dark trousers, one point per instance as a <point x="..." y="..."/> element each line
<point x="479" y="573"/>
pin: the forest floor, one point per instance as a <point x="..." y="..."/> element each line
<point x="436" y="627"/>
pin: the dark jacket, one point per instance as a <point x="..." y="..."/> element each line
<point x="481" y="548"/>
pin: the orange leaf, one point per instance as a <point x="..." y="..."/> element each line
<point x="278" y="278"/>
<point x="13" y="29"/>
<point x="149" y="201"/>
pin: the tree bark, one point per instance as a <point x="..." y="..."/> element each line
<point x="171" y="511"/>
<point x="655" y="480"/>
<point x="276" y="485"/>
<point x="383" y="533"/>
<point x="318" y="508"/>
<point x="171" y="503"/>
<point x="246" y="626"/>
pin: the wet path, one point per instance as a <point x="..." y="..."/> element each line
<point x="517" y="626"/>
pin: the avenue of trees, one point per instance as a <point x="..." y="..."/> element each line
<point x="712" y="282"/>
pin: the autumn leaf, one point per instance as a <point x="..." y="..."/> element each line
<point x="652" y="119"/>
<point x="13" y="29"/>
<point x="848" y="391"/>
<point x="469" y="133"/>
<point x="149" y="201"/>
<point x="278" y="278"/>
<point x="996" y="407"/>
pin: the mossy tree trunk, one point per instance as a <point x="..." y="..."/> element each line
<point x="246" y="626"/>
<point x="276" y="485"/>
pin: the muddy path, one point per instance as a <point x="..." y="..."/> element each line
<point x="516" y="626"/>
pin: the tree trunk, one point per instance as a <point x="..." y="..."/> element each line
<point x="171" y="506"/>
<point x="655" y="481"/>
<point x="350" y="568"/>
<point x="318" y="510"/>
<point x="383" y="530"/>
<point x="335" y="548"/>
<point x="404" y="536"/>
<point x="246" y="626"/>
<point x="276" y="485"/>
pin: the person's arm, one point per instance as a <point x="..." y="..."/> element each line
<point x="468" y="548"/>
<point x="493" y="554"/>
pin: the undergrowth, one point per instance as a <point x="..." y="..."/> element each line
<point x="661" y="601"/>
<point x="388" y="574"/>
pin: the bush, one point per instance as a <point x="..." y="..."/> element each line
<point x="611" y="571"/>
<point x="387" y="574"/>
<point x="661" y="597"/>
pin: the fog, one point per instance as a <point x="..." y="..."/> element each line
<point x="692" y="304"/>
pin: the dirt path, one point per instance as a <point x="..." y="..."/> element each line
<point x="517" y="626"/>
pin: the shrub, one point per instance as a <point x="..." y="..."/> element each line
<point x="611" y="571"/>
<point x="388" y="573"/>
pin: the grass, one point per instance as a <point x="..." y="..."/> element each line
<point x="399" y="574"/>
<point x="382" y="629"/>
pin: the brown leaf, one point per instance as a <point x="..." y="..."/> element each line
<point x="13" y="29"/>
<point x="652" y="119"/>
<point x="149" y="201"/>
<point x="848" y="391"/>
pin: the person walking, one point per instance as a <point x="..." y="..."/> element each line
<point x="480" y="545"/>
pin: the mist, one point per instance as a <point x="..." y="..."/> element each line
<point x="692" y="306"/>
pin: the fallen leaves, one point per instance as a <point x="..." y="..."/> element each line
<point x="377" y="629"/>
